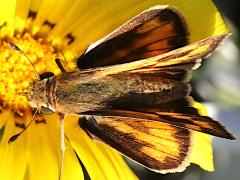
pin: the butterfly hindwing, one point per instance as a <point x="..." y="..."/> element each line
<point x="158" y="146"/>
<point x="155" y="31"/>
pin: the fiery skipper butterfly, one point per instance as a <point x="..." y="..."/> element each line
<point x="132" y="90"/>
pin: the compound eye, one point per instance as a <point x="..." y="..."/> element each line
<point x="46" y="75"/>
<point x="45" y="110"/>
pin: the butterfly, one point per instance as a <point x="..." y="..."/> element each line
<point x="132" y="91"/>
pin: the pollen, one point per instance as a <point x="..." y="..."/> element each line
<point x="16" y="71"/>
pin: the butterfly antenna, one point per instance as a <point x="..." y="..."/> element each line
<point x="14" y="137"/>
<point x="16" y="48"/>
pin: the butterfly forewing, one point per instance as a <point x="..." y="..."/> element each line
<point x="155" y="31"/>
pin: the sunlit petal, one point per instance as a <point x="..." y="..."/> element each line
<point x="12" y="156"/>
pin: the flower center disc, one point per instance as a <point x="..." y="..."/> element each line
<point x="16" y="71"/>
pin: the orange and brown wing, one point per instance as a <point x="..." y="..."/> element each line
<point x="155" y="31"/>
<point x="158" y="146"/>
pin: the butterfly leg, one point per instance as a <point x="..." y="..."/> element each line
<point x="62" y="144"/>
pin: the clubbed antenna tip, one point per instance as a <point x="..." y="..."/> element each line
<point x="16" y="48"/>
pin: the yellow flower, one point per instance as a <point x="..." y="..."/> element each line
<point x="43" y="30"/>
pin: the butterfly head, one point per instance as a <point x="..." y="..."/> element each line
<point x="39" y="95"/>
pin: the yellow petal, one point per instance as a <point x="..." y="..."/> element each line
<point x="7" y="17"/>
<point x="72" y="169"/>
<point x="98" y="159"/>
<point x="4" y="116"/>
<point x="93" y="21"/>
<point x="43" y="152"/>
<point x="22" y="8"/>
<point x="7" y="10"/>
<point x="202" y="152"/>
<point x="13" y="156"/>
<point x="117" y="161"/>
